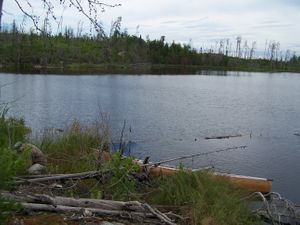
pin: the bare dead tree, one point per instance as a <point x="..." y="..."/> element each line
<point x="221" y="47"/>
<point x="272" y="50"/>
<point x="1" y="5"/>
<point x="227" y="47"/>
<point x="252" y="49"/>
<point x="277" y="49"/>
<point x="265" y="51"/>
<point x="287" y="55"/>
<point x="79" y="28"/>
<point x="238" y="46"/>
<point x="115" y="28"/>
<point x="90" y="9"/>
<point x="246" y="49"/>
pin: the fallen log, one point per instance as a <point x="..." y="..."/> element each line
<point x="132" y="210"/>
<point x="95" y="211"/>
<point x="36" y="176"/>
<point x="79" y="202"/>
<point x="223" y="137"/>
<point x="74" y="176"/>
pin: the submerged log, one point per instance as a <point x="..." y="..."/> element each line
<point x="223" y="137"/>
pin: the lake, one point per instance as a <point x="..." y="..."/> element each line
<point x="170" y="116"/>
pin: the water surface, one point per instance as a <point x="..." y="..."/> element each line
<point x="170" y="116"/>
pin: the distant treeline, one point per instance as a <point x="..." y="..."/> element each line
<point x="120" y="52"/>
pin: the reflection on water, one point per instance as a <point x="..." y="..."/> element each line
<point x="169" y="116"/>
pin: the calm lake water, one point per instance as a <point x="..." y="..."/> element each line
<point x="170" y="116"/>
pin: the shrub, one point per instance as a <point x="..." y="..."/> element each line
<point x="122" y="185"/>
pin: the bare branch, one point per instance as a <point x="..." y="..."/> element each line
<point x="91" y="11"/>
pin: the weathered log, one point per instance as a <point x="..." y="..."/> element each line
<point x="223" y="137"/>
<point x="95" y="211"/>
<point x="132" y="209"/>
<point x="36" y="176"/>
<point x="83" y="175"/>
<point x="80" y="202"/>
<point x="159" y="215"/>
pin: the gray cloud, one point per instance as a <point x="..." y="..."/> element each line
<point x="200" y="20"/>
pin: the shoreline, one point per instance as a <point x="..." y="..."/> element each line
<point x="131" y="69"/>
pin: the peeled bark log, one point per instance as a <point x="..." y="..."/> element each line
<point x="97" y="212"/>
<point x="81" y="202"/>
<point x="83" y="175"/>
<point x="132" y="209"/>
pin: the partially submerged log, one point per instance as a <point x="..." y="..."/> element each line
<point x="223" y="137"/>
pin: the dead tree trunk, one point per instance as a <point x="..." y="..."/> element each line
<point x="1" y="5"/>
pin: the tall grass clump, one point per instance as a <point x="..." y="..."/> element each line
<point x="76" y="148"/>
<point x="204" y="198"/>
<point x="11" y="163"/>
<point x="12" y="130"/>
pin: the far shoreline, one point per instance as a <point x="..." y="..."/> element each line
<point x="131" y="69"/>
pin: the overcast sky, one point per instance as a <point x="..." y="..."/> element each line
<point x="199" y="22"/>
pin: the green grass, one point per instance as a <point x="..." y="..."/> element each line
<point x="200" y="197"/>
<point x="11" y="164"/>
<point x="206" y="197"/>
<point x="12" y="130"/>
<point x="74" y="150"/>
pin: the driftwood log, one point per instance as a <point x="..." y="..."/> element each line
<point x="223" y="137"/>
<point x="79" y="202"/>
<point x="133" y="210"/>
<point x="74" y="176"/>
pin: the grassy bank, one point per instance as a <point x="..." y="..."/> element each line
<point x="199" y="197"/>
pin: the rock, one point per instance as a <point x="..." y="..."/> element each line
<point x="87" y="213"/>
<point x="106" y="223"/>
<point x="36" y="169"/>
<point x="111" y="223"/>
<point x="17" y="221"/>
